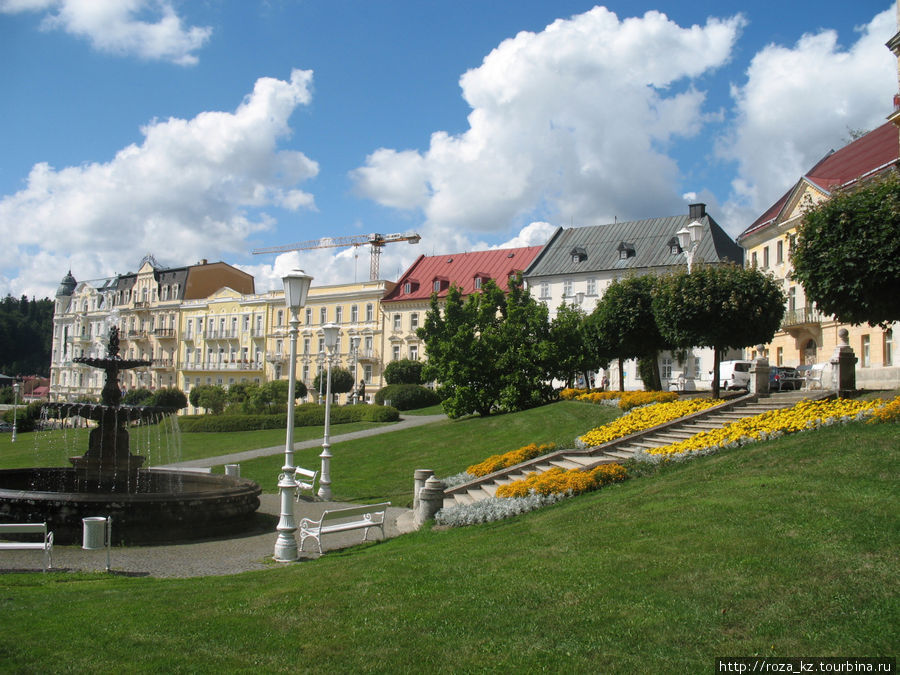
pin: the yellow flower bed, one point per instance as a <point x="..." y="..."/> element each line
<point x="628" y="399"/>
<point x="804" y="415"/>
<point x="570" y="394"/>
<point x="497" y="462"/>
<point x="640" y="419"/>
<point x="558" y="480"/>
<point x="889" y="413"/>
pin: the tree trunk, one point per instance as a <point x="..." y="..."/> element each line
<point x="621" y="376"/>
<point x="715" y="383"/>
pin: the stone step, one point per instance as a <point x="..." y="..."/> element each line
<point x="488" y="489"/>
<point x="581" y="460"/>
<point x="462" y="498"/>
<point x="564" y="463"/>
<point x="618" y="453"/>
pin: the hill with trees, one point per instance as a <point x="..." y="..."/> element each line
<point x="26" y="329"/>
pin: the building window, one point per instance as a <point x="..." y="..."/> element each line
<point x="246" y="322"/>
<point x="395" y="351"/>
<point x="308" y="318"/>
<point x="765" y="257"/>
<point x="753" y="260"/>
<point x="397" y="319"/>
<point x="370" y="312"/>
<point x="339" y="315"/>
<point x="592" y="286"/>
<point x="367" y="373"/>
<point x="323" y="314"/>
<point x="887" y="341"/>
<point x="667" y="368"/>
<point x="306" y="345"/>
<point x="545" y="290"/>
<point x="321" y="345"/>
<point x="354" y="314"/>
<point x="792" y="298"/>
<point x="279" y="320"/>
<point x="779" y="356"/>
<point x="865" y="350"/>
<point x="437" y="286"/>
<point x="414" y="352"/>
<point x="414" y="321"/>
<point x="407" y="288"/>
<point x="779" y="252"/>
<point x="477" y="283"/>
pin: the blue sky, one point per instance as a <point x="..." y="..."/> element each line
<point x="205" y="129"/>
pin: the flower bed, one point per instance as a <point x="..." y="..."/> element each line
<point x="626" y="400"/>
<point x="511" y="458"/>
<point x="562" y="481"/>
<point x="802" y="416"/>
<point x="647" y="417"/>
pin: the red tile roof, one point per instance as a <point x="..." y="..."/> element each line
<point x="869" y="154"/>
<point x="461" y="269"/>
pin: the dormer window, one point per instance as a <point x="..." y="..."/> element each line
<point x="578" y="254"/>
<point x="437" y="286"/>
<point x="407" y="288"/>
<point x="477" y="283"/>
<point x="626" y="250"/>
<point x="480" y="279"/>
<point x="674" y="246"/>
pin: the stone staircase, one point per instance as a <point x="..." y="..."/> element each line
<point x="624" y="448"/>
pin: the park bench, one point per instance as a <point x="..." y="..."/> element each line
<point x="342" y="520"/>
<point x="813" y="378"/>
<point x="45" y="545"/>
<point x="307" y="481"/>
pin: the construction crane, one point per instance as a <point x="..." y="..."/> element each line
<point x="375" y="240"/>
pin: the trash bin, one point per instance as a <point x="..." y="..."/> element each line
<point x="94" y="535"/>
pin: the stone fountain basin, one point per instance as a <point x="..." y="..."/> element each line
<point x="167" y="506"/>
<point x="99" y="412"/>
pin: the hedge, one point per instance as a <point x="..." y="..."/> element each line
<point x="407" y="396"/>
<point x="305" y="415"/>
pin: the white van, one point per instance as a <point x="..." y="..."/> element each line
<point x="734" y="375"/>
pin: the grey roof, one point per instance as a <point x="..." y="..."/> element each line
<point x="650" y="240"/>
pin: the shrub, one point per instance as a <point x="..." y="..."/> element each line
<point x="407" y="396"/>
<point x="404" y="371"/>
<point x="139" y="396"/>
<point x="170" y="397"/>
<point x="491" y="509"/>
<point x="305" y="415"/>
<point x="26" y="417"/>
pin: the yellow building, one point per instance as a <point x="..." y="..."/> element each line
<point x="356" y="308"/>
<point x="808" y="336"/>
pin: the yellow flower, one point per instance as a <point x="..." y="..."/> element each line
<point x="557" y="480"/>
<point x="646" y="417"/>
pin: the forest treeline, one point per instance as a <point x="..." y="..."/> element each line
<point x="26" y="330"/>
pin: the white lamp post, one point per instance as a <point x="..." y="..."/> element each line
<point x="331" y="337"/>
<point x="689" y="240"/>
<point x="296" y="288"/>
<point x="354" y="347"/>
<point x="15" y="409"/>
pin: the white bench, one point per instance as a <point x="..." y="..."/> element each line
<point x="306" y="481"/>
<point x="814" y="376"/>
<point x="45" y="545"/>
<point x="342" y="520"/>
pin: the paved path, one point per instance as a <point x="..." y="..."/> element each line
<point x="251" y="550"/>
<point x="235" y="458"/>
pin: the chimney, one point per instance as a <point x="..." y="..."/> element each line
<point x="697" y="211"/>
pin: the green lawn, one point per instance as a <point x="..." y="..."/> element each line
<point x="784" y="548"/>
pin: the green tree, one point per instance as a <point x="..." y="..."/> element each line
<point x="625" y="319"/>
<point x="26" y="331"/>
<point x="272" y="396"/>
<point x="212" y="397"/>
<point x="722" y="306"/>
<point x="341" y="381"/>
<point x="489" y="352"/>
<point x="404" y="371"/>
<point x="139" y="396"/>
<point x="847" y="255"/>
<point x="168" y="397"/>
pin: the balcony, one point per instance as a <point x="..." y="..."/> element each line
<point x="277" y="357"/>
<point x="136" y="335"/>
<point x="368" y="355"/>
<point x="223" y="334"/>
<point x="798" y="318"/>
<point x="164" y="333"/>
<point x="223" y="366"/>
<point x="142" y="305"/>
<point x="162" y="364"/>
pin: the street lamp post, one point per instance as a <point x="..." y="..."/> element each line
<point x="331" y="336"/>
<point x="15" y="409"/>
<point x="296" y="288"/>
<point x="354" y="347"/>
<point x="689" y="239"/>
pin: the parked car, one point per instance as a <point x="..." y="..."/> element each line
<point x="734" y="375"/>
<point x="5" y="426"/>
<point x="783" y="378"/>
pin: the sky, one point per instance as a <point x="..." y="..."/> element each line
<point x="210" y="128"/>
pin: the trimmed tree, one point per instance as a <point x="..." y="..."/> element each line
<point x="625" y="319"/>
<point x="848" y="253"/>
<point x="722" y="306"/>
<point x="341" y="381"/>
<point x="404" y="371"/>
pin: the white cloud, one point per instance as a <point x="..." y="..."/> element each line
<point x="799" y="102"/>
<point x="113" y="26"/>
<point x="192" y="189"/>
<point x="569" y="122"/>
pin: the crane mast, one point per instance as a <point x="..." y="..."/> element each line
<point x="375" y="241"/>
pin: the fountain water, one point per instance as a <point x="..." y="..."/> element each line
<point x="146" y="504"/>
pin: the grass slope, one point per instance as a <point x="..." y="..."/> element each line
<point x="784" y="548"/>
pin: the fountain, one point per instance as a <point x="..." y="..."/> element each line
<point x="146" y="505"/>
